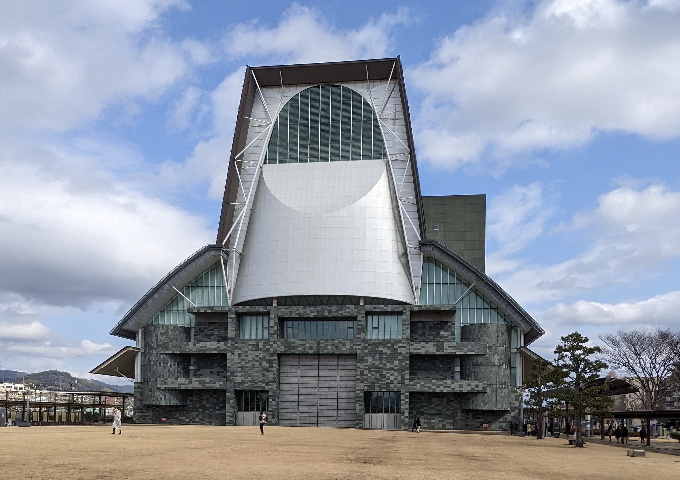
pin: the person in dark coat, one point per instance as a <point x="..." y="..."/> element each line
<point x="643" y="434"/>
<point x="617" y="433"/>
<point x="416" y="425"/>
<point x="624" y="434"/>
<point x="609" y="432"/>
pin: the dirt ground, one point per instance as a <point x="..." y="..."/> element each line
<point x="188" y="452"/>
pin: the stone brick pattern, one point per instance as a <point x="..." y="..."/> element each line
<point x="432" y="331"/>
<point x="493" y="369"/>
<point x="191" y="375"/>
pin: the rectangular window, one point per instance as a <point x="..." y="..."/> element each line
<point x="513" y="369"/>
<point x="383" y="326"/>
<point x="252" y="400"/>
<point x="303" y="329"/>
<point x="382" y="402"/>
<point x="254" y="326"/>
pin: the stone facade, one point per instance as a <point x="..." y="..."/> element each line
<point x="192" y="375"/>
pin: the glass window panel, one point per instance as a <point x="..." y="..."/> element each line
<point x="314" y="106"/>
<point x="293" y="129"/>
<point x="378" y="144"/>
<point x="335" y="142"/>
<point x="283" y="134"/>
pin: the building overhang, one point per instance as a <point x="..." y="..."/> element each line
<point x="120" y="364"/>
<point x="486" y="286"/>
<point x="529" y="357"/>
<point x="142" y="312"/>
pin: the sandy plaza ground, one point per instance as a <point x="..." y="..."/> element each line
<point x="188" y="452"/>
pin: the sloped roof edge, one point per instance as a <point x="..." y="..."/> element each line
<point x="120" y="364"/>
<point x="163" y="291"/>
<point x="532" y="330"/>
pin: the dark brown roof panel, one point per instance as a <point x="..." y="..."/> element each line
<point x="316" y="73"/>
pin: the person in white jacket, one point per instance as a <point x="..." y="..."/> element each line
<point x="116" y="421"/>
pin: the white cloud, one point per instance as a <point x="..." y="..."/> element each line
<point x="660" y="310"/>
<point x="72" y="235"/>
<point x="631" y="237"/>
<point x="210" y="157"/>
<point x="304" y="36"/>
<point x="64" y="62"/>
<point x="26" y="343"/>
<point x="515" y="219"/>
<point x="550" y="78"/>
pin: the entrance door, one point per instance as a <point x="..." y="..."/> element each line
<point x="317" y="390"/>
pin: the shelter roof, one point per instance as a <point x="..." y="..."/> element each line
<point x="669" y="414"/>
<point x="120" y="364"/>
<point x="616" y="386"/>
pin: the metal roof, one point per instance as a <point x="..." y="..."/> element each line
<point x="163" y="291"/>
<point x="487" y="287"/>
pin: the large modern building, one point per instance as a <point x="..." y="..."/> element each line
<point x="335" y="294"/>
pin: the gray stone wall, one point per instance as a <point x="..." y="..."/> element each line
<point x="429" y="331"/>
<point x="157" y="365"/>
<point x="437" y="411"/>
<point x="203" y="407"/>
<point x="432" y="367"/>
<point x="492" y="369"/>
<point x="420" y="365"/>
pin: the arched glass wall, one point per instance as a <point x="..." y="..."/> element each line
<point x="206" y="290"/>
<point x="442" y="286"/>
<point x="325" y="123"/>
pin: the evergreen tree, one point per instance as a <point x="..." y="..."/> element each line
<point x="579" y="370"/>
<point x="542" y="376"/>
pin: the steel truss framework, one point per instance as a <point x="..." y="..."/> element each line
<point x="230" y="273"/>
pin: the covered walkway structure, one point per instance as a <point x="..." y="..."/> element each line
<point x="36" y="407"/>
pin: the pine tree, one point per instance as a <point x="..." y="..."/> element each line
<point x="542" y="377"/>
<point x="580" y="370"/>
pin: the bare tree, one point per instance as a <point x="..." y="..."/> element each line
<point x="647" y="357"/>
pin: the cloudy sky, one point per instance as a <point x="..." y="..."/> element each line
<point x="116" y="120"/>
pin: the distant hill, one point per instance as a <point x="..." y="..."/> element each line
<point x="57" y="380"/>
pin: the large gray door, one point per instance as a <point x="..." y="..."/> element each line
<point x="318" y="390"/>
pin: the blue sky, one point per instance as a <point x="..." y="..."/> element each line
<point x="116" y="120"/>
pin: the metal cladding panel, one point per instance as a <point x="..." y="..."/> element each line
<point x="388" y="102"/>
<point x="324" y="229"/>
<point x="318" y="390"/>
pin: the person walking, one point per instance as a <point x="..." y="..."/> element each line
<point x="624" y="434"/>
<point x="116" y="421"/>
<point x="617" y="433"/>
<point x="609" y="432"/>
<point x="263" y="420"/>
<point x="643" y="434"/>
<point x="416" y="425"/>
